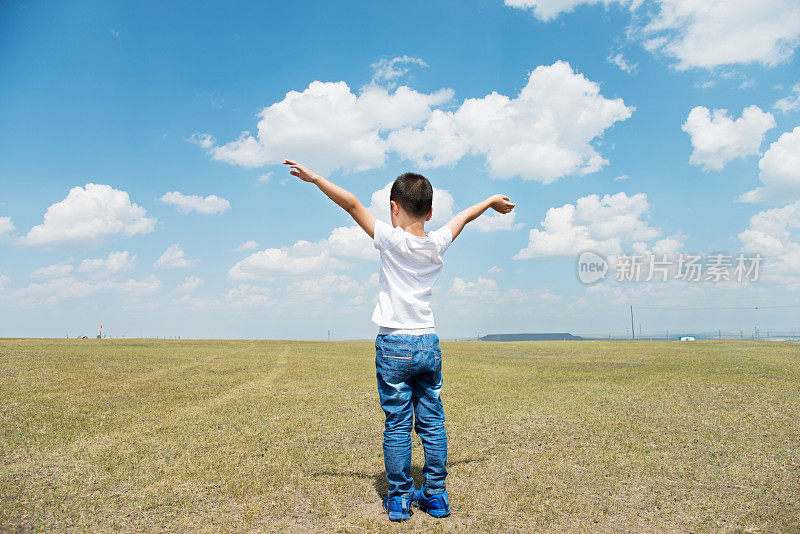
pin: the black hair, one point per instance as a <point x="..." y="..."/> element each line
<point x="414" y="193"/>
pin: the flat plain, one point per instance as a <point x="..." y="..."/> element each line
<point x="285" y="436"/>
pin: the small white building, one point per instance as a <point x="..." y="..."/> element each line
<point x="687" y="338"/>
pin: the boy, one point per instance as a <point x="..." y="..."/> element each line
<point x="408" y="359"/>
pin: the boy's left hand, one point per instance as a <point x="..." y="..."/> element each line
<point x="305" y="174"/>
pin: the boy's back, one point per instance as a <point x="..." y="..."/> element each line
<point x="410" y="266"/>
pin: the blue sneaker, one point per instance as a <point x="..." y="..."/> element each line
<point x="436" y="505"/>
<point x="398" y="508"/>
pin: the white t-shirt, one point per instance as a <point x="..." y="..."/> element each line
<point x="410" y="266"/>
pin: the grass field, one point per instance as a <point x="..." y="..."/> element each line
<point x="286" y="436"/>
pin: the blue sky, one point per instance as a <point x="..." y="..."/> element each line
<point x="548" y="101"/>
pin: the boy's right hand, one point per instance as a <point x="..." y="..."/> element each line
<point x="501" y="203"/>
<point x="305" y="174"/>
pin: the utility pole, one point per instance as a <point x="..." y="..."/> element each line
<point x="329" y="335"/>
<point x="633" y="332"/>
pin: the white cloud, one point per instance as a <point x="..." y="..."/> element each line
<point x="619" y="60"/>
<point x="303" y="257"/>
<point x="190" y="283"/>
<point x="115" y="262"/>
<point x="770" y="234"/>
<point x="701" y="33"/>
<point x="718" y="138"/>
<point x="789" y="103"/>
<point x="495" y="222"/>
<point x="194" y="303"/>
<point x="203" y="140"/>
<point x="248" y="296"/>
<point x="547" y="10"/>
<point x="208" y="205"/>
<point x="327" y="127"/>
<point x="247" y="245"/>
<point x="592" y="223"/>
<point x="264" y="178"/>
<point x="543" y="134"/>
<point x="710" y="33"/>
<point x="326" y="284"/>
<point x="482" y="287"/>
<point x="4" y="280"/>
<point x="52" y="291"/>
<point x="174" y="258"/>
<point x="88" y="216"/>
<point x="356" y="301"/>
<point x="386" y="70"/>
<point x="6" y="227"/>
<point x="57" y="270"/>
<point x="779" y="171"/>
<point x="135" y="287"/>
<point x="495" y="269"/>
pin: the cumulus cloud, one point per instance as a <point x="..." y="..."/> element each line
<point x="247" y="245"/>
<point x="495" y="222"/>
<point x="592" y="223"/>
<point x="701" y="33"/>
<point x="6" y="227"/>
<point x="482" y="287"/>
<point x="717" y="138"/>
<point x="303" y="257"/>
<point x="248" y="296"/>
<point x="207" y="205"/>
<point x="190" y="283"/>
<point x="710" y="33"/>
<point x="87" y="217"/>
<point x="327" y="127"/>
<point x="174" y="258"/>
<point x="115" y="262"/>
<point x="57" y="289"/>
<point x="543" y="134"/>
<point x="789" y="103"/>
<point x="770" y="234"/>
<point x="57" y="270"/>
<point x="779" y="171"/>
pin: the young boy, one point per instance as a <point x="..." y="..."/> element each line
<point x="408" y="359"/>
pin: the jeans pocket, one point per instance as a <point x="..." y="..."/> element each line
<point x="394" y="362"/>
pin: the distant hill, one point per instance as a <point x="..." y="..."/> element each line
<point x="547" y="336"/>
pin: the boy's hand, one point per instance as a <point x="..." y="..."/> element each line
<point x="501" y="203"/>
<point x="307" y="175"/>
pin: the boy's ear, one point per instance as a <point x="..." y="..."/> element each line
<point x="394" y="208"/>
<point x="430" y="214"/>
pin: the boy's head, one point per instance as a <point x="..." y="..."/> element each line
<point x="414" y="194"/>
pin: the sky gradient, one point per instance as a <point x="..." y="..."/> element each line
<point x="140" y="184"/>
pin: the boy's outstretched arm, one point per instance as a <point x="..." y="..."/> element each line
<point x="344" y="198"/>
<point x="499" y="203"/>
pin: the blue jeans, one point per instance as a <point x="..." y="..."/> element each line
<point x="409" y="371"/>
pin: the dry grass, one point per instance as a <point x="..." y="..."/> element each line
<point x="286" y="436"/>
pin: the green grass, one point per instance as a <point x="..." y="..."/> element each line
<point x="286" y="436"/>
